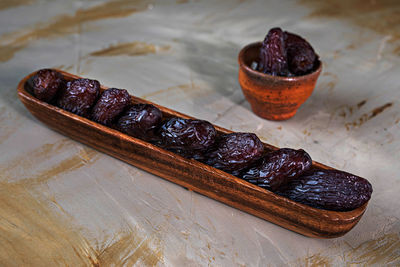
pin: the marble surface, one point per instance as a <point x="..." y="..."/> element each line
<point x="65" y="204"/>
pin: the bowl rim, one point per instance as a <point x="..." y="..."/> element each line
<point x="262" y="75"/>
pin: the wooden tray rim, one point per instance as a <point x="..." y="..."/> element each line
<point x="334" y="216"/>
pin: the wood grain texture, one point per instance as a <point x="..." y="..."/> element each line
<point x="192" y="174"/>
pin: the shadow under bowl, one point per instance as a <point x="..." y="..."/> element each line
<point x="273" y="97"/>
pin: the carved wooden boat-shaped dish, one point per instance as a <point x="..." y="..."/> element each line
<point x="192" y="174"/>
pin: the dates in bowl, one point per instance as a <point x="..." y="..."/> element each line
<point x="278" y="74"/>
<point x="286" y="172"/>
<point x="287" y="54"/>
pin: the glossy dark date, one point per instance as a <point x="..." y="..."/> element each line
<point x="273" y="59"/>
<point x="234" y="152"/>
<point x="111" y="103"/>
<point x="286" y="54"/>
<point x="278" y="167"/>
<point x="187" y="137"/>
<point x="79" y="96"/>
<point x="46" y="83"/>
<point x="300" y="54"/>
<point x="328" y="189"/>
<point x="284" y="171"/>
<point x="141" y="121"/>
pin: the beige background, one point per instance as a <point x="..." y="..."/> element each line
<point x="62" y="203"/>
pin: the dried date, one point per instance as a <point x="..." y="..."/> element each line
<point x="286" y="54"/>
<point x="111" y="103"/>
<point x="234" y="152"/>
<point x="79" y="96"/>
<point x="273" y="58"/>
<point x="328" y="189"/>
<point x="46" y="83"/>
<point x="141" y="121"/>
<point x="187" y="137"/>
<point x="278" y="168"/>
<point x="300" y="54"/>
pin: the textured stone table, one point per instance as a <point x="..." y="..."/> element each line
<point x="62" y="203"/>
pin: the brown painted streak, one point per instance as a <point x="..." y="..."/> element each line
<point x="61" y="25"/>
<point x="396" y="51"/>
<point x="147" y="255"/>
<point x="379" y="110"/>
<point x="317" y="260"/>
<point x="379" y="16"/>
<point x="130" y="49"/>
<point x="31" y="229"/>
<point x="367" y="116"/>
<point x="379" y="252"/>
<point x="8" y="51"/>
<point x="129" y="249"/>
<point x="362" y="103"/>
<point x="382" y="251"/>
<point x="6" y="4"/>
<point x="67" y="165"/>
<point x="27" y="168"/>
<point x="346" y="111"/>
<point x="32" y="233"/>
<point x="31" y="158"/>
<point x="117" y="251"/>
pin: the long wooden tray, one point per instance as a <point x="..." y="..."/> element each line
<point x="192" y="174"/>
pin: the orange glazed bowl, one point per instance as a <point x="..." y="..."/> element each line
<point x="273" y="97"/>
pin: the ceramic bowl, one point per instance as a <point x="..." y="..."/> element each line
<point x="273" y="97"/>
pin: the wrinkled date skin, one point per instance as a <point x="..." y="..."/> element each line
<point x="286" y="54"/>
<point x="329" y="189"/>
<point x="187" y="137"/>
<point x="273" y="59"/>
<point x="234" y="152"/>
<point x="278" y="168"/>
<point x="111" y="103"/>
<point x="300" y="54"/>
<point x="46" y="84"/>
<point x="141" y="121"/>
<point x="79" y="96"/>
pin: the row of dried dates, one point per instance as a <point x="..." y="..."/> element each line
<point x="287" y="172"/>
